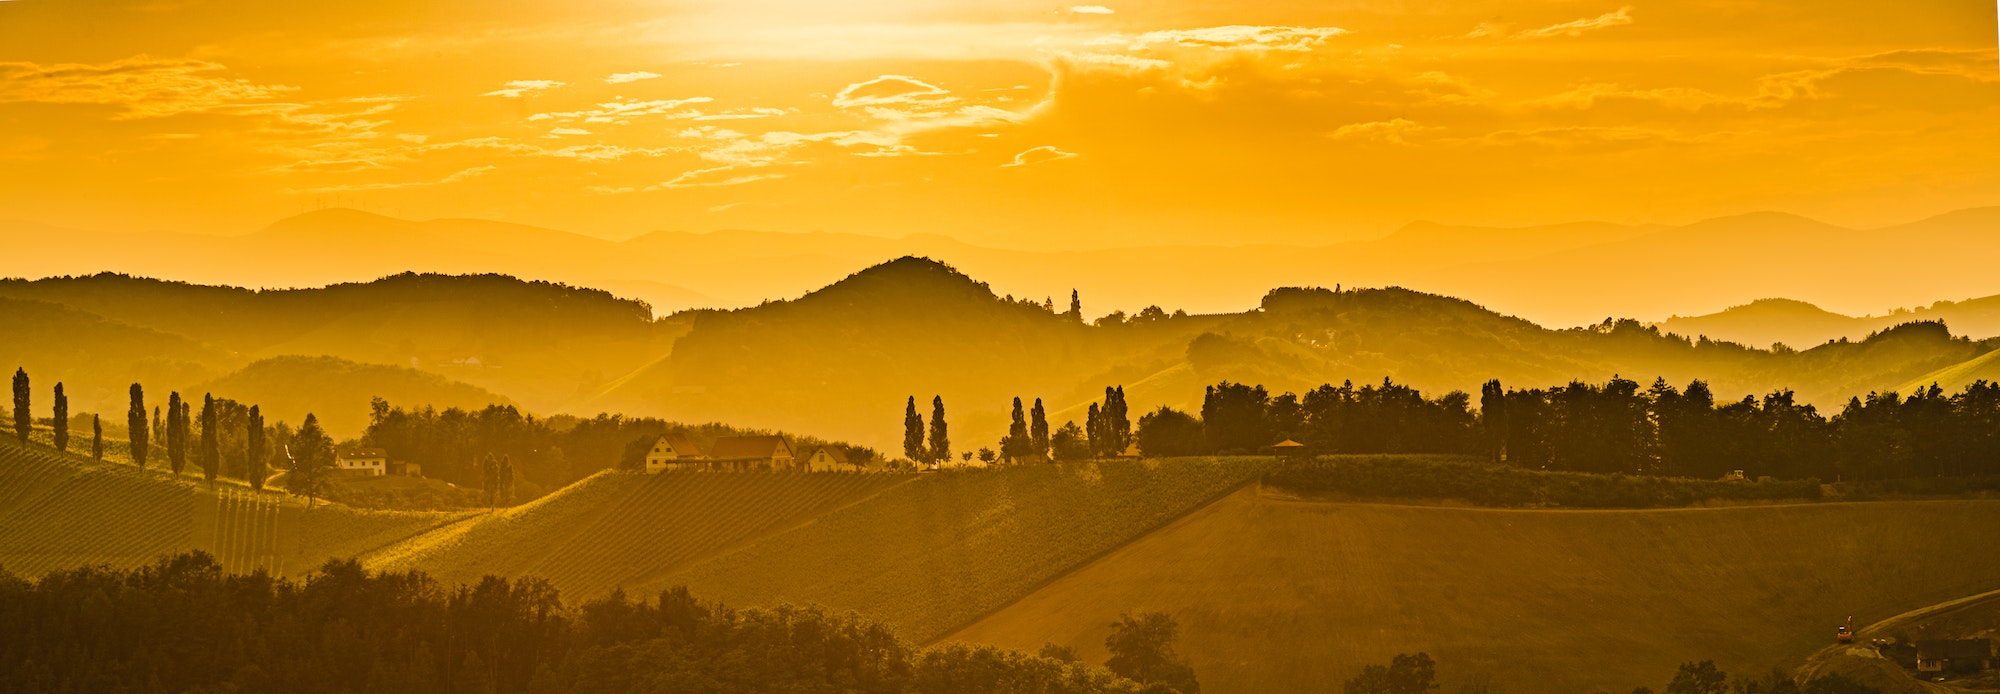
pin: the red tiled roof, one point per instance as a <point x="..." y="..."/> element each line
<point x="730" y="447"/>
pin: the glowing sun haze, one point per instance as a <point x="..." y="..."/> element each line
<point x="1012" y="124"/>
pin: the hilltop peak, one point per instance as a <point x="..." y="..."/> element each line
<point x="910" y="276"/>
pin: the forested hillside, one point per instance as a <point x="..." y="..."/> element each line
<point x="536" y="343"/>
<point x="840" y="362"/>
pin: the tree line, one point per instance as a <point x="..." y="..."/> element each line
<point x="1107" y="432"/>
<point x="1417" y="674"/>
<point x="227" y="438"/>
<point x="182" y="624"/>
<point x="1614" y="427"/>
<point x="541" y="453"/>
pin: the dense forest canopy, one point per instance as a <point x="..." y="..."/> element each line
<point x="1614" y="427"/>
<point x="183" y="625"/>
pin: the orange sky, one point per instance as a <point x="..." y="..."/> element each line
<point x="1012" y="124"/>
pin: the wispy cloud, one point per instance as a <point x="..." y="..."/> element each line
<point x="716" y="177"/>
<point x="889" y="89"/>
<point x="519" y="88"/>
<point x="1038" y="155"/>
<point x="140" y="86"/>
<point x="1091" y="9"/>
<point x="625" y="77"/>
<point x="1577" y="28"/>
<point x="623" y="111"/>
<point x="1238" y="37"/>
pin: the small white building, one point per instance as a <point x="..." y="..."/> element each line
<point x="828" y="459"/>
<point x="362" y="462"/>
<point x="672" y="451"/>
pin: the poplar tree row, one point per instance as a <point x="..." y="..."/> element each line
<point x="172" y="429"/>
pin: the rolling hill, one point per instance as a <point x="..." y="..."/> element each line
<point x="338" y="391"/>
<point x="930" y="556"/>
<point x="616" y="530"/>
<point x="1802" y="325"/>
<point x="1685" y="268"/>
<point x="539" y="344"/>
<point x="918" y="327"/>
<point x="64" y="511"/>
<point x="1282" y="595"/>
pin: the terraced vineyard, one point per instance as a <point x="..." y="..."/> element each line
<point x="64" y="511"/>
<point x="54" y="514"/>
<point x="623" y="530"/>
<point x="931" y="556"/>
<point x="1279" y="595"/>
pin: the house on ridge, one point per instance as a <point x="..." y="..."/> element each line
<point x="675" y="452"/>
<point x="361" y="462"/>
<point x="744" y="453"/>
<point x="828" y="459"/>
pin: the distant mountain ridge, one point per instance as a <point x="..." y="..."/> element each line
<point x="1799" y="324"/>
<point x="1562" y="274"/>
<point x="843" y="360"/>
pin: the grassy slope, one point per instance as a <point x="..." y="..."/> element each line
<point x="622" y="530"/>
<point x="1278" y="595"/>
<point x="63" y="511"/>
<point x="933" y="555"/>
<point x="1956" y="377"/>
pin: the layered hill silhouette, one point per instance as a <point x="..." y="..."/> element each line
<point x="1799" y="324"/>
<point x="1565" y="274"/>
<point x="842" y="361"/>
<point x="416" y="339"/>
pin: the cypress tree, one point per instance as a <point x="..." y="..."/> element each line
<point x="1075" y="306"/>
<point x="1093" y="430"/>
<point x="96" y="439"/>
<point x="1121" y="423"/>
<point x="1038" y="430"/>
<point x="1493" y="414"/>
<point x="913" y="433"/>
<point x="61" y="419"/>
<point x="940" y="434"/>
<point x="211" y="443"/>
<point x="137" y="435"/>
<point x="176" y="433"/>
<point x="159" y="428"/>
<point x="1017" y="445"/>
<point x="24" y="418"/>
<point x="254" y="443"/>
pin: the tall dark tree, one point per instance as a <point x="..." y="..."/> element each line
<point x="1017" y="444"/>
<point x="312" y="453"/>
<point x="254" y="445"/>
<point x="1234" y="418"/>
<point x="913" y="433"/>
<point x="1118" y="422"/>
<point x="136" y="433"/>
<point x="176" y="433"/>
<point x="211" y="441"/>
<point x="96" y="439"/>
<point x="1493" y="418"/>
<point x="159" y="429"/>
<point x="24" y="418"/>
<point x="1142" y="650"/>
<point x="1075" y="307"/>
<point x="1093" y="430"/>
<point x="61" y="419"/>
<point x="1038" y="430"/>
<point x="940" y="441"/>
<point x="489" y="487"/>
